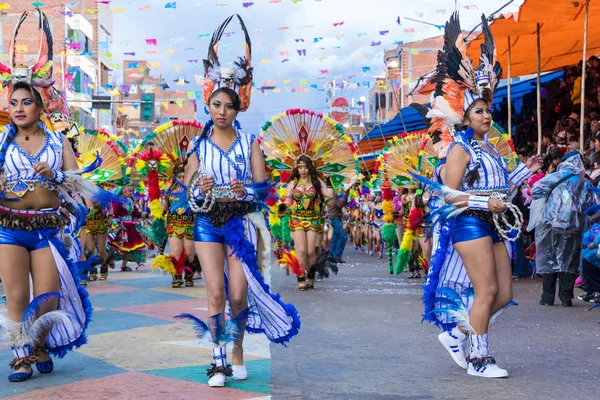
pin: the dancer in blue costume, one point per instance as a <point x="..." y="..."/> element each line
<point x="32" y="159"/>
<point x="470" y="271"/>
<point x="225" y="175"/>
<point x="37" y="169"/>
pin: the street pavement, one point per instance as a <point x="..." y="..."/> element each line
<point x="361" y="338"/>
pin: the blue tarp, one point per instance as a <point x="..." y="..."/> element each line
<point x="412" y="121"/>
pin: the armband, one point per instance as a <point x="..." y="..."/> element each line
<point x="479" y="203"/>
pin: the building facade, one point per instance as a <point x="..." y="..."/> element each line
<point x="404" y="66"/>
<point x="81" y="43"/>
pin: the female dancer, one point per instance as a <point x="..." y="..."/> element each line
<point x="223" y="165"/>
<point x="356" y="223"/>
<point x="180" y="229"/>
<point x="304" y="197"/>
<point x="32" y="159"/>
<point x="96" y="234"/>
<point x="477" y="239"/>
<point x="125" y="240"/>
<point x="377" y="217"/>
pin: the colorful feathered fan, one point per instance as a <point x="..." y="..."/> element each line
<point x="299" y="132"/>
<point x="504" y="145"/>
<point x="171" y="139"/>
<point x="409" y="152"/>
<point x="90" y="144"/>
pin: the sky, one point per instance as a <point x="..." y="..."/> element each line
<point x="341" y="40"/>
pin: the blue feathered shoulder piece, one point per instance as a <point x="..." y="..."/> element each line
<point x="74" y="182"/>
<point x="264" y="194"/>
<point x="222" y="332"/>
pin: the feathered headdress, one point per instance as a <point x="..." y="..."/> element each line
<point x="296" y="132"/>
<point x="458" y="83"/>
<point x="39" y="74"/>
<point x="237" y="77"/>
<point x="94" y="143"/>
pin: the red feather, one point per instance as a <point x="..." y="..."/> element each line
<point x="291" y="260"/>
<point x="153" y="185"/>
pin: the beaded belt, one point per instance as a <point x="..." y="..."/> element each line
<point x="30" y="220"/>
<point x="501" y="194"/>
<point x="21" y="187"/>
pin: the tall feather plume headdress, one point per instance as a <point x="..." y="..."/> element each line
<point x="458" y="83"/>
<point x="38" y="73"/>
<point x="237" y="77"/>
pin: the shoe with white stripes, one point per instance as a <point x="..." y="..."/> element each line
<point x="486" y="368"/>
<point x="456" y="347"/>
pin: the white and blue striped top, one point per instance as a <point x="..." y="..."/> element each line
<point x="18" y="165"/>
<point x="224" y="166"/>
<point x="493" y="172"/>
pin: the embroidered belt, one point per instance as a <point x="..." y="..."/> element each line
<point x="31" y="220"/>
<point x="224" y="211"/>
<point x="485" y="216"/>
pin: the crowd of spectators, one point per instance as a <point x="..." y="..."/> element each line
<point x="561" y="124"/>
<point x="561" y="116"/>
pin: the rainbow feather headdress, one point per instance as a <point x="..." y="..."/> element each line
<point x="38" y="73"/>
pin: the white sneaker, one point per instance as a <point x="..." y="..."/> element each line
<point x="217" y="380"/>
<point x="486" y="367"/>
<point x="456" y="348"/>
<point x="239" y="372"/>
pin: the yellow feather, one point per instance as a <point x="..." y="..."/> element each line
<point x="164" y="263"/>
<point x="156" y="209"/>
<point x="408" y="240"/>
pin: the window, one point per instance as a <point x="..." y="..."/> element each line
<point x="78" y="41"/>
<point x="81" y="83"/>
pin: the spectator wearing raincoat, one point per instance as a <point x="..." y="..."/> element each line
<point x="557" y="215"/>
<point x="591" y="264"/>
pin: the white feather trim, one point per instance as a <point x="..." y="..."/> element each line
<point x="445" y="111"/>
<point x="461" y="317"/>
<point x="11" y="333"/>
<point x="44" y="324"/>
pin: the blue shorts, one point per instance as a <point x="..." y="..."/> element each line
<point x="30" y="240"/>
<point x="206" y="232"/>
<point x="467" y="227"/>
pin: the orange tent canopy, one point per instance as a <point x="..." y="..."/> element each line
<point x="4" y="118"/>
<point x="561" y="35"/>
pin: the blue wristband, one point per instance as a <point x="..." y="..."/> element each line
<point x="58" y="178"/>
<point x="249" y="195"/>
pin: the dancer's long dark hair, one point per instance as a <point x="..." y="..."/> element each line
<point x="312" y="172"/>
